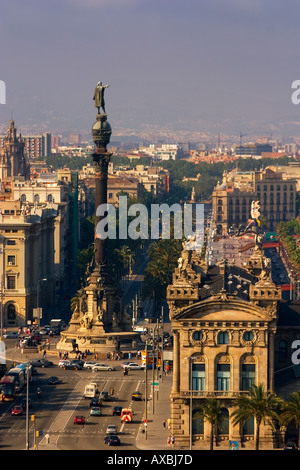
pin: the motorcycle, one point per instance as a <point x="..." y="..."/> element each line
<point x="125" y="371"/>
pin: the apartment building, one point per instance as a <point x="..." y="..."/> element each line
<point x="232" y="199"/>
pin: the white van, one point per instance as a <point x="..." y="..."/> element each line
<point x="90" y="390"/>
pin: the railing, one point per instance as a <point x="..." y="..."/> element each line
<point x="213" y="393"/>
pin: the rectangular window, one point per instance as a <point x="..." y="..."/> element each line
<point x="11" y="260"/>
<point x="10" y="242"/>
<point x="198" y="377"/>
<point x="223" y="377"/>
<point x="11" y="282"/>
<point x="248" y="376"/>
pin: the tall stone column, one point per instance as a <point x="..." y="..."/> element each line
<point x="101" y="132"/>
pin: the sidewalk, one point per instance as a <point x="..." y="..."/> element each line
<point x="156" y="436"/>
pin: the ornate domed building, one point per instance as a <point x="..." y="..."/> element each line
<point x="224" y="319"/>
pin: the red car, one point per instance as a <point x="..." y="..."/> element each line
<point x="79" y="420"/>
<point x="17" y="410"/>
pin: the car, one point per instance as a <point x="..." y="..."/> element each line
<point x="63" y="362"/>
<point x="79" y="362"/>
<point x="104" y="395"/>
<point x="72" y="366"/>
<point x="17" y="410"/>
<point x="95" y="402"/>
<point x="112" y="440"/>
<point x="41" y="363"/>
<point x="136" y="396"/>
<point x="89" y="364"/>
<point x="133" y="366"/>
<point x="54" y="332"/>
<point x="290" y="446"/>
<point x="79" y="419"/>
<point x="117" y="410"/>
<point x="101" y="366"/>
<point x="53" y="380"/>
<point x="44" y="332"/>
<point x="111" y="429"/>
<point x="95" y="411"/>
<point x="24" y="403"/>
<point x="11" y="335"/>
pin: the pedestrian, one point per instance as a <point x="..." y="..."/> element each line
<point x="164" y="424"/>
<point x="169" y="440"/>
<point x="173" y="440"/>
<point x="169" y="423"/>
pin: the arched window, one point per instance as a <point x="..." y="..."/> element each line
<point x="224" y="425"/>
<point x="11" y="313"/>
<point x="248" y="428"/>
<point x="197" y="422"/>
<point x="23" y="198"/>
<point x="223" y="337"/>
<point x="36" y="198"/>
<point x="50" y="198"/>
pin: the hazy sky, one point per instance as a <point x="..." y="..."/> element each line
<point x="202" y="65"/>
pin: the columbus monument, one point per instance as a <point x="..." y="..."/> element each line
<point x="99" y="322"/>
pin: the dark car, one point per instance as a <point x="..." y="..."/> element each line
<point x="41" y="363"/>
<point x="112" y="440"/>
<point x="24" y="403"/>
<point x="53" y="380"/>
<point x="95" y="402"/>
<point x="73" y="366"/>
<point x="78" y="361"/>
<point x="117" y="410"/>
<point x="104" y="395"/>
<point x="290" y="446"/>
<point x="136" y="396"/>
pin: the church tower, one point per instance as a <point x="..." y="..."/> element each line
<point x="13" y="161"/>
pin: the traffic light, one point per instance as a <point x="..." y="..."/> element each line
<point x="112" y="391"/>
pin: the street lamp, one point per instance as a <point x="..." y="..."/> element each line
<point x="37" y="298"/>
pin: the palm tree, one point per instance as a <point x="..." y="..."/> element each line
<point x="125" y="255"/>
<point x="163" y="258"/>
<point x="291" y="412"/>
<point x="211" y="411"/>
<point x="262" y="406"/>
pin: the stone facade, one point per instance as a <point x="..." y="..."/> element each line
<point x="223" y="343"/>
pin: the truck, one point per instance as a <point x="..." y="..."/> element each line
<point x="57" y="323"/>
<point x="126" y="415"/>
<point x="90" y="390"/>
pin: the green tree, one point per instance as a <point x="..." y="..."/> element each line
<point x="163" y="258"/>
<point x="261" y="405"/>
<point x="125" y="256"/>
<point x="291" y="412"/>
<point x="211" y="411"/>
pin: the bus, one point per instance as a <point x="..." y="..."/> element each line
<point x="25" y="366"/>
<point x="8" y="388"/>
<point x="19" y="374"/>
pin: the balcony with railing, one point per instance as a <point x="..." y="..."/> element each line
<point x="212" y="393"/>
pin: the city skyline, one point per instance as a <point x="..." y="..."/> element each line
<point x="194" y="67"/>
